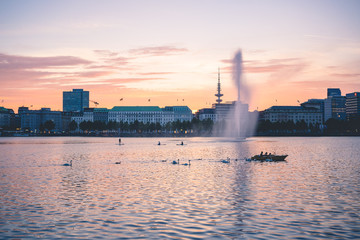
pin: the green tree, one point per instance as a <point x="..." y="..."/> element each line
<point x="42" y="128"/>
<point x="73" y="125"/>
<point x="49" y="125"/>
<point x="158" y="127"/>
<point x="83" y="126"/>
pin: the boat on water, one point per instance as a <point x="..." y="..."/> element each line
<point x="268" y="157"/>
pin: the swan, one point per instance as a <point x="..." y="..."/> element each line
<point x="226" y="161"/>
<point x="68" y="164"/>
<point x="186" y="164"/>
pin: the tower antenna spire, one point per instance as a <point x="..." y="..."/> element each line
<point x="219" y="95"/>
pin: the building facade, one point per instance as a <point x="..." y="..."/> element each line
<point x="352" y="105"/>
<point x="75" y="100"/>
<point x="32" y="120"/>
<point x="7" y="118"/>
<point x="181" y="113"/>
<point x="293" y="113"/>
<point x="333" y="92"/>
<point x="206" y="113"/>
<point x="334" y="107"/>
<point x="129" y="114"/>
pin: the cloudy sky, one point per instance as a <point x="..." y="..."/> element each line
<point x="169" y="51"/>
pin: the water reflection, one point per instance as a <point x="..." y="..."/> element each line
<point x="313" y="195"/>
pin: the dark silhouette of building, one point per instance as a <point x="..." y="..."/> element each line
<point x="333" y="92"/>
<point x="353" y="105"/>
<point x="334" y="105"/>
<point x="75" y="101"/>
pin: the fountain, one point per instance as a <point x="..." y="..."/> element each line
<point x="239" y="122"/>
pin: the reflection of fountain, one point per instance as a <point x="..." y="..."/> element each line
<point x="238" y="122"/>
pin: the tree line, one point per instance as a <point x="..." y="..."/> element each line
<point x="193" y="126"/>
<point x="330" y="127"/>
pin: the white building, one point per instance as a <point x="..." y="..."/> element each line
<point x="145" y="114"/>
<point x="181" y="113"/>
<point x="293" y="113"/>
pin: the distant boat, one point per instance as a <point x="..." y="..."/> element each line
<point x="268" y="157"/>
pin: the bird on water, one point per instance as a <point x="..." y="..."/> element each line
<point x="68" y="164"/>
<point x="187" y="164"/>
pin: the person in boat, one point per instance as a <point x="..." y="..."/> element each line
<point x="119" y="140"/>
<point x="159" y="143"/>
<point x="261" y="153"/>
<point x="182" y="143"/>
<point x="265" y="154"/>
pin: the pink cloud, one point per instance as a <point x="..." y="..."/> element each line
<point x="22" y="62"/>
<point x="106" y="53"/>
<point x="158" y="51"/>
<point x="94" y="74"/>
<point x="346" y="75"/>
<point x="155" y="73"/>
<point x="131" y="80"/>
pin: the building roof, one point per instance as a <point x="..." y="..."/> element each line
<point x="2" y="109"/>
<point x="354" y="94"/>
<point x="177" y="108"/>
<point x="101" y="110"/>
<point x="291" y="108"/>
<point x="206" y="111"/>
<point x="285" y="108"/>
<point x="136" y="109"/>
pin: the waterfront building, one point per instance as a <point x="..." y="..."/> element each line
<point x="88" y="115"/>
<point x="352" y="105"/>
<point x="95" y="114"/>
<point x="294" y="113"/>
<point x="181" y="113"/>
<point x="129" y="114"/>
<point x="150" y="114"/>
<point x="31" y="120"/>
<point x="7" y="117"/>
<point x="222" y="110"/>
<point x="206" y="113"/>
<point x="333" y="92"/>
<point x="334" y="107"/>
<point x="75" y="100"/>
<point x="314" y="103"/>
<point x="78" y="117"/>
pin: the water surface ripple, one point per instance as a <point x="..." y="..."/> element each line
<point x="315" y="194"/>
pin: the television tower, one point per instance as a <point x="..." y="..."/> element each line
<point x="219" y="95"/>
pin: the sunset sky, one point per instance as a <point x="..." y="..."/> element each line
<point x="169" y="51"/>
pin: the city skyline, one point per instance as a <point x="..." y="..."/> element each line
<point x="167" y="52"/>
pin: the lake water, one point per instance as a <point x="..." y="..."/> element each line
<point x="315" y="194"/>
